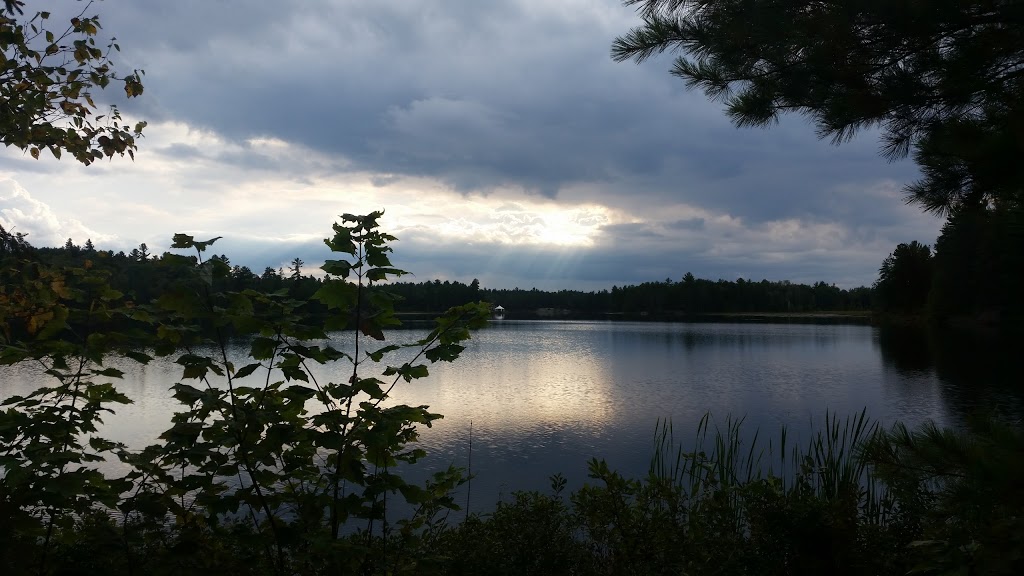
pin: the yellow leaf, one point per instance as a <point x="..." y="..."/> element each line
<point x="59" y="288"/>
<point x="34" y="152"/>
<point x="37" y="321"/>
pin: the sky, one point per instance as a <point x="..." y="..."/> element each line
<point x="498" y="136"/>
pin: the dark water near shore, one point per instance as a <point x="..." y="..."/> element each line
<point x="545" y="396"/>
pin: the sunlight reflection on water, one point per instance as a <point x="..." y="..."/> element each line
<point x="545" y="396"/>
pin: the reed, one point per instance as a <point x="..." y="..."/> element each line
<point x="831" y="463"/>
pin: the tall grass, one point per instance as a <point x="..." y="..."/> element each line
<point x="831" y="463"/>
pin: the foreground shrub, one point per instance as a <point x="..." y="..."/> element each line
<point x="533" y="534"/>
<point x="264" y="468"/>
<point x="854" y="500"/>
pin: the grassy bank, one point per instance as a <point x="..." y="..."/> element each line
<point x="853" y="499"/>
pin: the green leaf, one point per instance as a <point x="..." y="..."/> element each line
<point x="262" y="348"/>
<point x="201" y="246"/>
<point x="378" y="355"/>
<point x="337" y="267"/>
<point x="377" y="257"/>
<point x="342" y="240"/>
<point x="57" y="323"/>
<point x="418" y="371"/>
<point x="184" y="432"/>
<point x="408" y="372"/>
<point x="378" y="274"/>
<point x="138" y="356"/>
<point x="186" y="394"/>
<point x="110" y="373"/>
<point x="297" y="392"/>
<point x="336" y="295"/>
<point x="444" y="352"/>
<point x="182" y="241"/>
<point x="294" y="373"/>
<point x="247" y="369"/>
<point x="370" y="328"/>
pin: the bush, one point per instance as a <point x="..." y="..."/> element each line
<point x="271" y="472"/>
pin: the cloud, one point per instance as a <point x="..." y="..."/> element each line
<point x="499" y="136"/>
<point x="519" y="95"/>
<point x="20" y="212"/>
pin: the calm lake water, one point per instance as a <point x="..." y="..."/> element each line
<point x="545" y="396"/>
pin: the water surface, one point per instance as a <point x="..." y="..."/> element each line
<point x="545" y="396"/>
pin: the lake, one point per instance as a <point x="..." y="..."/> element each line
<point x="545" y="396"/>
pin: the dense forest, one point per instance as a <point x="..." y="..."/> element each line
<point x="973" y="273"/>
<point x="145" y="276"/>
<point x="915" y="280"/>
<point x="688" y="296"/>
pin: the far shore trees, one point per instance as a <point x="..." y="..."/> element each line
<point x="942" y="81"/>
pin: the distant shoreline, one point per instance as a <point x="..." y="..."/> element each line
<point x="867" y="314"/>
<point x="829" y="316"/>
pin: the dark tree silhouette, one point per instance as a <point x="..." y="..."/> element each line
<point x="944" y="80"/>
<point x="13" y="243"/>
<point x="905" y="278"/>
<point x="979" y="264"/>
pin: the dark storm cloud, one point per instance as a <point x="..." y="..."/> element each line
<point x="481" y="95"/>
<point x="688" y="224"/>
<point x="513" y="100"/>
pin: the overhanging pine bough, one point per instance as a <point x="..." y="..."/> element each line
<point x="943" y="80"/>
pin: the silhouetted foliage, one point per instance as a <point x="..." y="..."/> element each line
<point x="13" y="244"/>
<point x="979" y="259"/>
<point x="259" y="476"/>
<point x="47" y="78"/>
<point x="688" y="297"/>
<point x="941" y="79"/>
<point x="145" y="276"/>
<point x="854" y="500"/>
<point x="905" y="279"/>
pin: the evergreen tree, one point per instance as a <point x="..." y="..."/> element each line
<point x="13" y="243"/>
<point x="905" y="278"/>
<point x="979" y="258"/>
<point x="943" y="80"/>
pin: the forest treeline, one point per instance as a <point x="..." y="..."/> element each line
<point x="976" y="270"/>
<point x="146" y="276"/>
<point x="689" y="295"/>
